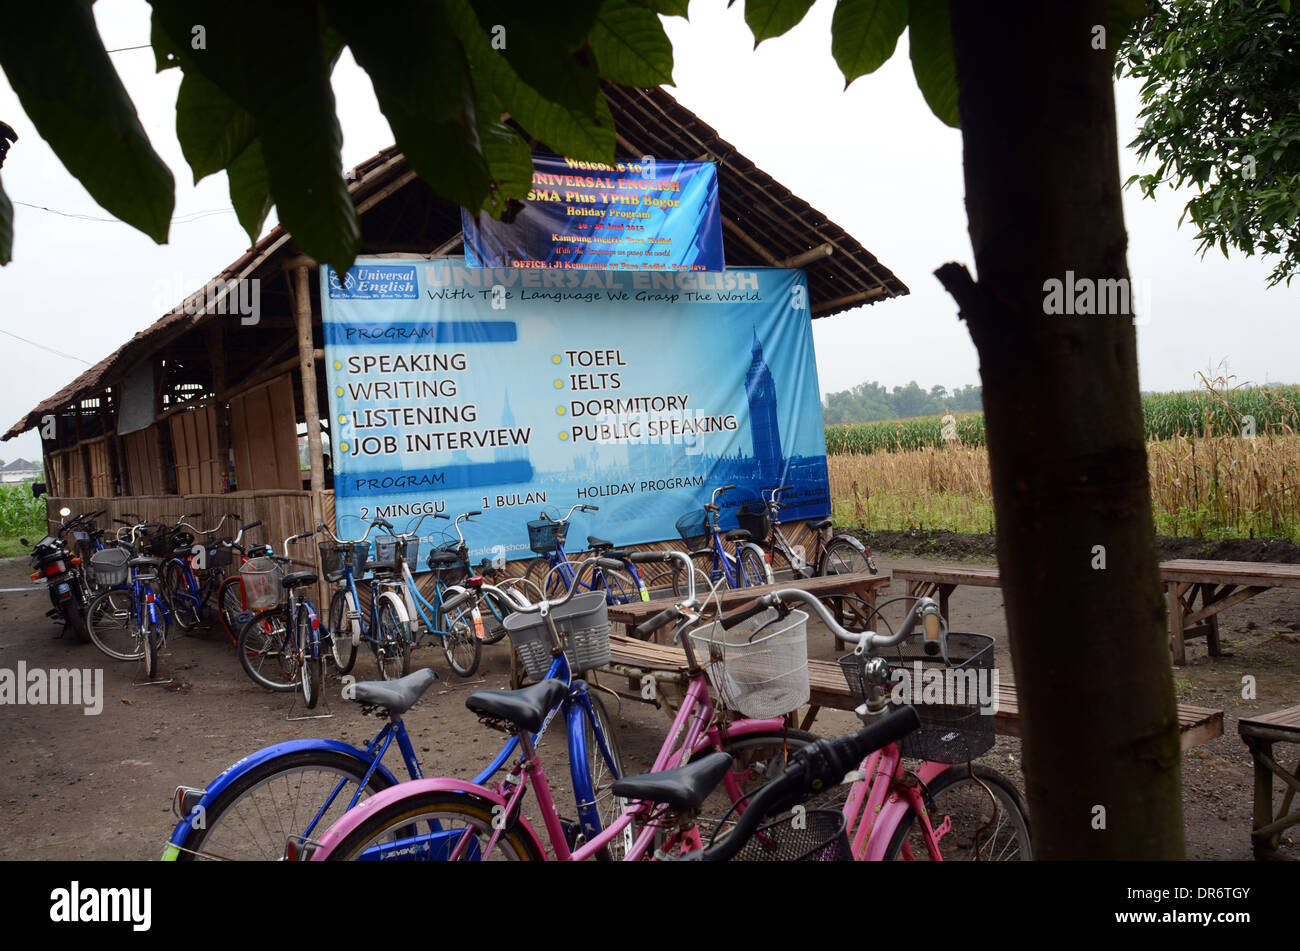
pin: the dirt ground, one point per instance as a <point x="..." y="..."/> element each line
<point x="74" y="786"/>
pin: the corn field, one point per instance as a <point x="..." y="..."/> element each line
<point x="1211" y="487"/>
<point x="20" y="514"/>
<point x="1212" y="411"/>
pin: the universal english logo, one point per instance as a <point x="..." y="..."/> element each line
<point x="57" y="686"/>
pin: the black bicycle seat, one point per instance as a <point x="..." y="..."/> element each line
<point x="395" y="696"/>
<point x="525" y="708"/>
<point x="818" y="526"/>
<point x="685" y="787"/>
<point x="296" y="579"/>
<point x="598" y="544"/>
<point x="443" y="558"/>
<point x="737" y="535"/>
<point x="144" y="561"/>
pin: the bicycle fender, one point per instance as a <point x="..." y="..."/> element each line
<point x="852" y="541"/>
<point x="351" y="819"/>
<point x="236" y="770"/>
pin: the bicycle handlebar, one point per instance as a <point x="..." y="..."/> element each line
<point x="926" y="608"/>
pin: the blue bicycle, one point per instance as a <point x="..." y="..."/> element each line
<point x="741" y="567"/>
<point x="552" y="572"/>
<point x="289" y="792"/>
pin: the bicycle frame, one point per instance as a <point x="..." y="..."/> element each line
<point x="871" y="806"/>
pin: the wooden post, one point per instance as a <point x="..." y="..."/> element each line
<point x="1175" y="591"/>
<point x="217" y="354"/>
<point x="310" y="407"/>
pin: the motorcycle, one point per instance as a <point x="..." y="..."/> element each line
<point x="63" y="573"/>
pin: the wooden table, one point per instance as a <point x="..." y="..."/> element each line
<point x="634" y="659"/>
<point x="1259" y="734"/>
<point x="862" y="585"/>
<point x="1217" y="584"/>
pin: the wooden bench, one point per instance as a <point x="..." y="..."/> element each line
<point x="1218" y="585"/>
<point x="862" y="585"/>
<point x="634" y="659"/>
<point x="1259" y="734"/>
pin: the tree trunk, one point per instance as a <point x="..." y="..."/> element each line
<point x="1066" y="445"/>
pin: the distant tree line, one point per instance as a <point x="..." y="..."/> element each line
<point x="868" y="402"/>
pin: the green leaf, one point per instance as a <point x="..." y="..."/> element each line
<point x="769" y="18"/>
<point x="631" y="46"/>
<point x="546" y="47"/>
<point x="250" y="190"/>
<point x="1121" y="15"/>
<point x="164" y="51"/>
<point x="668" y="8"/>
<point x="864" y="34"/>
<point x="581" y="134"/>
<point x="929" y="37"/>
<point x="57" y="66"/>
<point x="508" y="156"/>
<point x="211" y="128"/>
<point x="6" y="228"/>
<point x="268" y="59"/>
<point x="422" y="82"/>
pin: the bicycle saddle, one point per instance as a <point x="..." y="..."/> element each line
<point x="295" y="579"/>
<point x="685" y="787"/>
<point x="598" y="544"/>
<point x="818" y="526"/>
<point x="443" y="558"/>
<point x="395" y="696"/>
<point x="737" y="535"/>
<point x="525" y="708"/>
<point x="144" y="561"/>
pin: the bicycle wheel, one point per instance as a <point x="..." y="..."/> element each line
<point x="111" y="623"/>
<point x="175" y="582"/>
<point x="392" y="645"/>
<point x="602" y="775"/>
<point x="451" y="816"/>
<point x="757" y="758"/>
<point x="313" y="663"/>
<point x="983" y="829"/>
<point x="231" y="603"/>
<point x="551" y="583"/>
<point x="752" y="571"/>
<point x="493" y="627"/>
<point x="842" y="557"/>
<point x="251" y="818"/>
<point x="460" y="643"/>
<point x="619" y="586"/>
<point x="185" y="609"/>
<point x="267" y="653"/>
<point x="149" y="648"/>
<point x="703" y="564"/>
<point x="342" y="646"/>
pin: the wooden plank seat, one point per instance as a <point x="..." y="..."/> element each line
<point x="634" y="658"/>
<point x="1217" y="585"/>
<point x="1260" y="733"/>
<point x="862" y="585"/>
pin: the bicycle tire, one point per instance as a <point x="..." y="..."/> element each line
<point x="74" y="616"/>
<point x="550" y="583"/>
<point x="620" y="587"/>
<point x="342" y="647"/>
<point x="251" y="817"/>
<point x="313" y="663"/>
<point x="750" y="568"/>
<point x="185" y="609"/>
<point x="173" y="578"/>
<point x="757" y="758"/>
<point x="446" y="808"/>
<point x="460" y="643"/>
<point x="842" y="556"/>
<point x="266" y="652"/>
<point x="608" y="806"/>
<point x="110" y="621"/>
<point x="149" y="643"/>
<point x="231" y="602"/>
<point x="392" y="644"/>
<point x="969" y="808"/>
<point x="701" y="565"/>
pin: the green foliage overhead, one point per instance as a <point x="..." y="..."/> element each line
<point x="1221" y="116"/>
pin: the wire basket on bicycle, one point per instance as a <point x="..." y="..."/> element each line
<point x="155" y="542"/>
<point x="694" y="528"/>
<point x="545" y="535"/>
<point x="950" y="732"/>
<point x="759" y="668"/>
<point x="386" y="550"/>
<point x="583" y="626"/>
<point x="262" y="577"/>
<point x="109" y="566"/>
<point x="753" y="517"/>
<point x="337" y="557"/>
<point x="812" y="835"/>
<point x="444" y="544"/>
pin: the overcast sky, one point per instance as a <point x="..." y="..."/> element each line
<point x="873" y="158"/>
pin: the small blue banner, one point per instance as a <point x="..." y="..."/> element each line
<point x="633" y="216"/>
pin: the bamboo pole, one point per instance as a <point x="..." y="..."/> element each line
<point x="310" y="408"/>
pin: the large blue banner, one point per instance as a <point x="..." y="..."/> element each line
<point x="634" y="216"/>
<point x="517" y="390"/>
